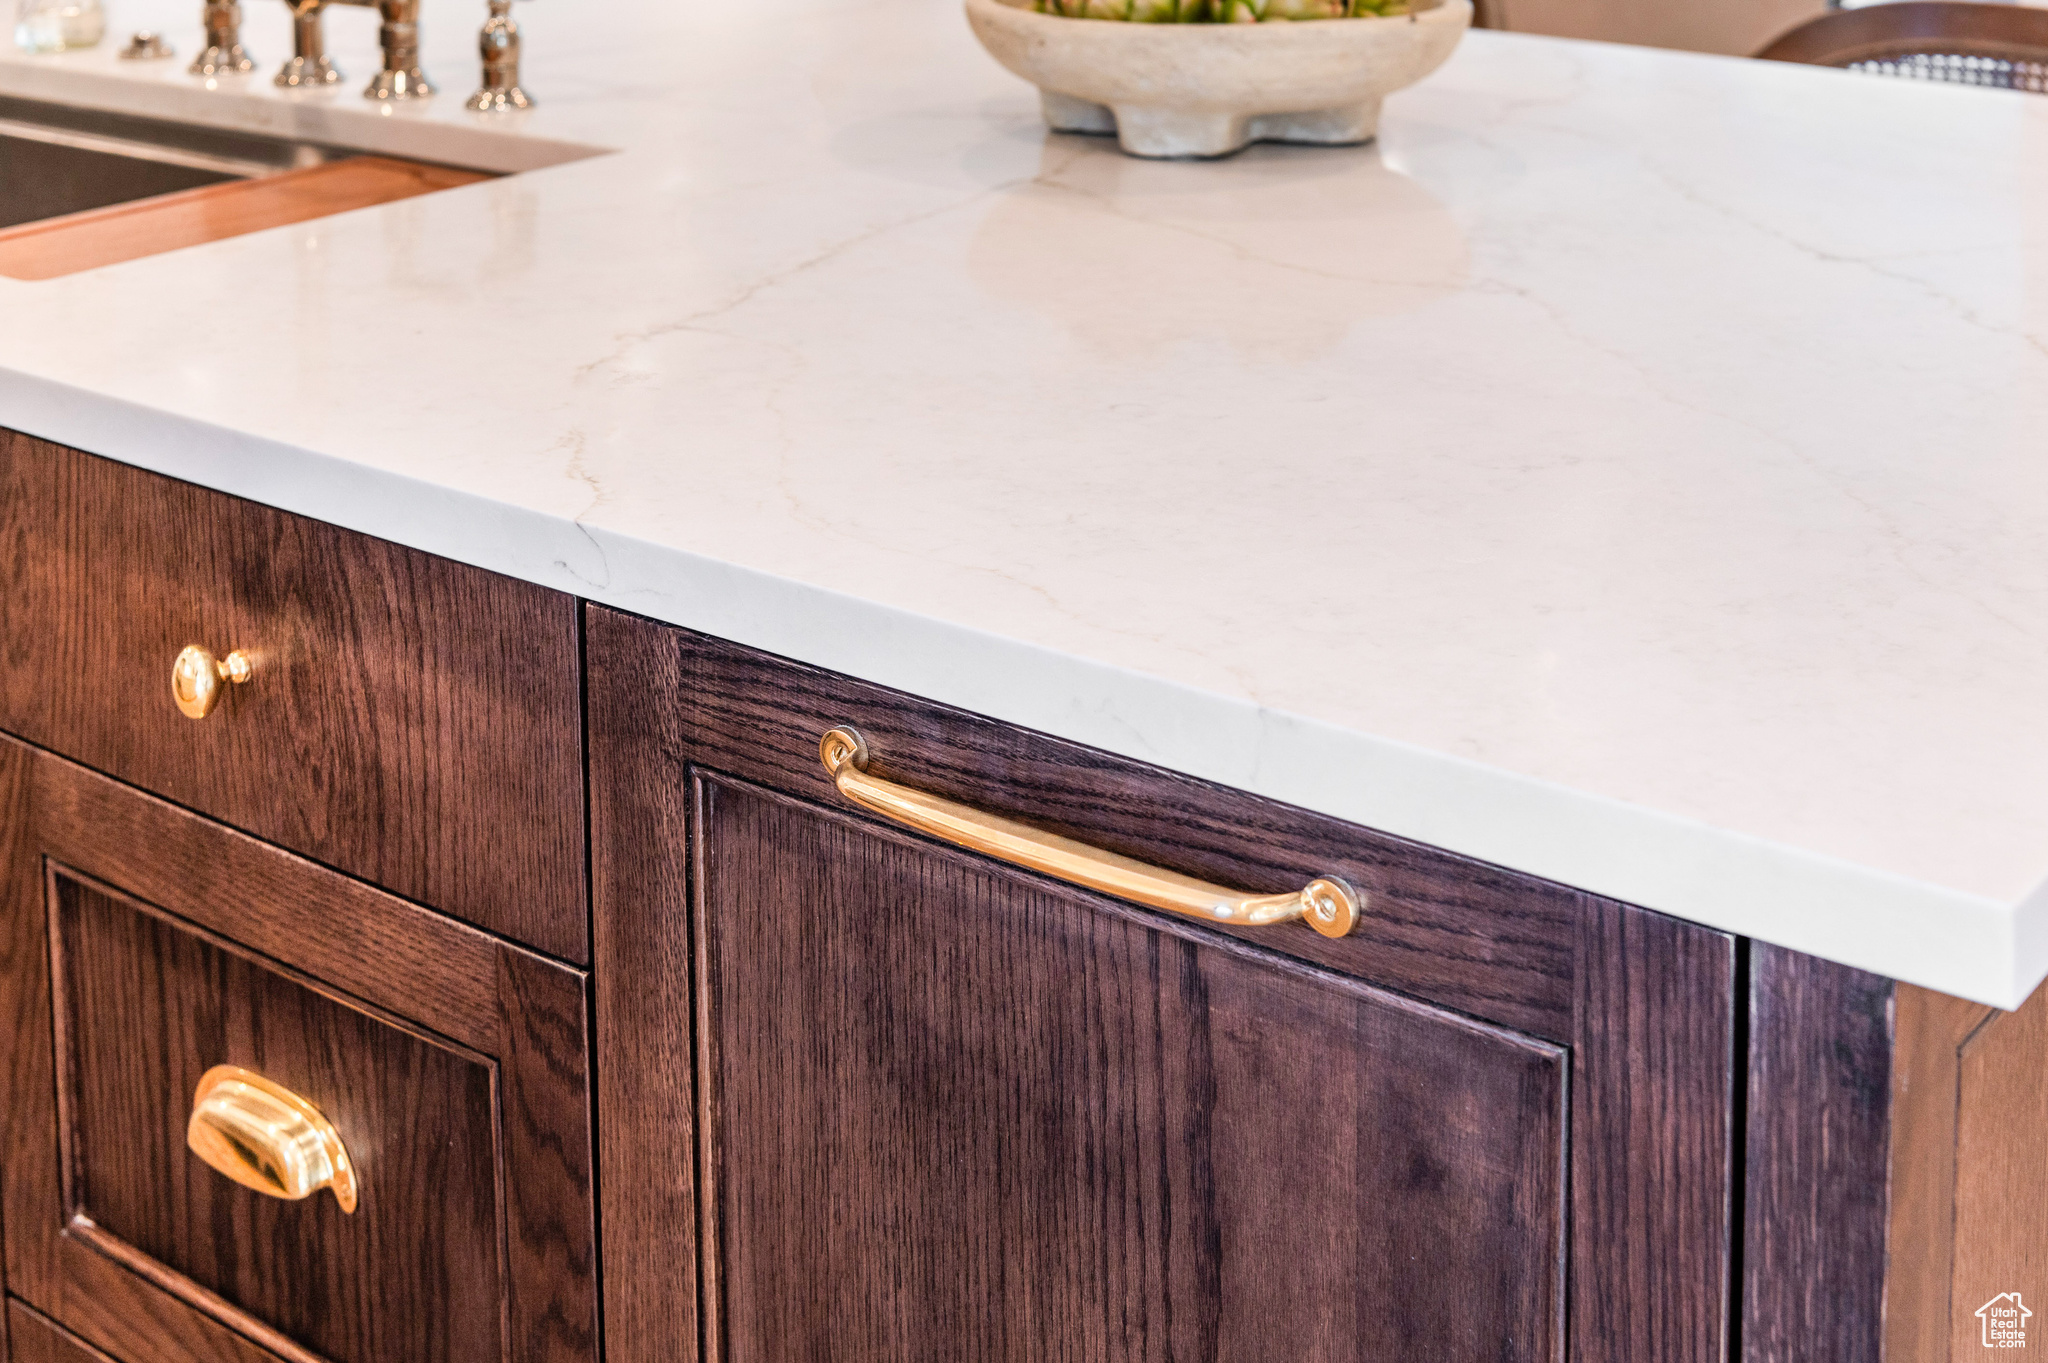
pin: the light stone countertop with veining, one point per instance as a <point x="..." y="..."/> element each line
<point x="1633" y="469"/>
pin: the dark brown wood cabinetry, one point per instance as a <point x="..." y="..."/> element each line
<point x="945" y="1109"/>
<point x="411" y="721"/>
<point x="145" y="945"/>
<point x="37" y="1339"/>
<point x="958" y="1112"/>
<point x="861" y="1095"/>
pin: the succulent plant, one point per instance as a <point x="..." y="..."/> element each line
<point x="1220" y="11"/>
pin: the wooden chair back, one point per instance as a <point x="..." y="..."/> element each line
<point x="1959" y="41"/>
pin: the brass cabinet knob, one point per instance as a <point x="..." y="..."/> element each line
<point x="198" y="677"/>
<point x="264" y="1136"/>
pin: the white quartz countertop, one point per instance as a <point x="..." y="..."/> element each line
<point x="1633" y="469"/>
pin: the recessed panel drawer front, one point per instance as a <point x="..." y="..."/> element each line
<point x="148" y="1006"/>
<point x="960" y="1113"/>
<point x="409" y="720"/>
<point x="261" y="1110"/>
<point x="36" y="1339"/>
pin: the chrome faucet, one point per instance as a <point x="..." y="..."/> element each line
<point x="499" y="44"/>
<point x="223" y="54"/>
<point x="309" y="64"/>
<point x="399" y="36"/>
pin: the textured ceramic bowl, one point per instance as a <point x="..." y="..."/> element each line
<point x="1208" y="89"/>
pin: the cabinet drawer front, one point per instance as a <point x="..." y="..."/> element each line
<point x="964" y="1114"/>
<point x="153" y="946"/>
<point x="37" y="1340"/>
<point x="148" y="1006"/>
<point x="943" y="1104"/>
<point x="408" y="720"/>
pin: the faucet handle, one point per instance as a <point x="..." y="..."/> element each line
<point x="499" y="44"/>
<point x="309" y="64"/>
<point x="223" y="55"/>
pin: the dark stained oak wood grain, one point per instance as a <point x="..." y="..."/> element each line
<point x="412" y="721"/>
<point x="1653" y="1072"/>
<point x="129" y="1312"/>
<point x="455" y="1064"/>
<point x="1895" y="1165"/>
<point x="1644" y="1003"/>
<point x="436" y="972"/>
<point x="38" y="1339"/>
<point x="24" y="1009"/>
<point x="642" y="975"/>
<point x="146" y="1007"/>
<point x="1471" y="936"/>
<point x="1819" y="1132"/>
<point x="545" y="1128"/>
<point x="961" y="1113"/>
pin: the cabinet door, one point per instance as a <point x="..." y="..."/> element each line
<point x="942" y="1108"/>
<point x="144" y="947"/>
<point x="963" y="1112"/>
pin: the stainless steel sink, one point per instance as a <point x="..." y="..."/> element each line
<point x="55" y="159"/>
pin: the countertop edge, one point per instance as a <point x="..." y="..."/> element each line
<point x="1923" y="934"/>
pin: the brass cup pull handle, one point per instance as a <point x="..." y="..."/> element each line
<point x="1327" y="904"/>
<point x="264" y="1136"/>
<point x="198" y="678"/>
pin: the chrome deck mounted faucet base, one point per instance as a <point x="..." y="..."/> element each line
<point x="399" y="35"/>
<point x="499" y="46"/>
<point x="301" y="72"/>
<point x="309" y="65"/>
<point x="401" y="77"/>
<point x="223" y="54"/>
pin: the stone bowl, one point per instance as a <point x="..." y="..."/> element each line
<point x="1209" y="89"/>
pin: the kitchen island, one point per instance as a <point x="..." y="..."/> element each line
<point x="1624" y="473"/>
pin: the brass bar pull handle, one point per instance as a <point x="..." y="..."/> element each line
<point x="264" y="1136"/>
<point x="198" y="678"/>
<point x="1327" y="904"/>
